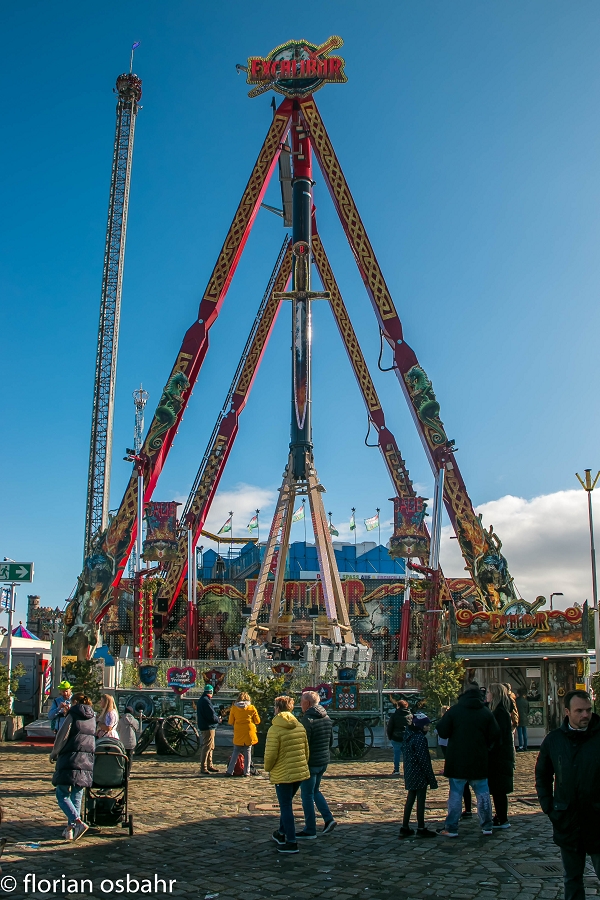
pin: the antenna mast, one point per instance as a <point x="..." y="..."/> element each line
<point x="129" y="90"/>
<point x="140" y="398"/>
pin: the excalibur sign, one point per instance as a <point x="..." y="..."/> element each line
<point x="296" y="68"/>
<point x="16" y="571"/>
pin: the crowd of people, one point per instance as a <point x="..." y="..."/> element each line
<point x="78" y="727"/>
<point x="477" y="736"/>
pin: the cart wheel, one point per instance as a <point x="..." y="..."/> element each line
<point x="130" y="824"/>
<point x="145" y="740"/>
<point x="353" y="738"/>
<point x="181" y="736"/>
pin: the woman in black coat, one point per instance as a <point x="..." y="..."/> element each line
<point x="501" y="759"/>
<point x="73" y="751"/>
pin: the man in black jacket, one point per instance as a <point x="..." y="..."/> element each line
<point x="567" y="781"/>
<point x="319" y="731"/>
<point x="207" y="724"/>
<point x="471" y="729"/>
<point x="396" y="726"/>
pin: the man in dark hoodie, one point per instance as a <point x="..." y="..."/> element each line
<point x="471" y="729"/>
<point x="207" y="724"/>
<point x="319" y="731"/>
<point x="567" y="781"/>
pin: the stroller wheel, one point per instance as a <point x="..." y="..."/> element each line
<point x="130" y="824"/>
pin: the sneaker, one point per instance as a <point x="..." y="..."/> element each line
<point x="405" y="832"/>
<point x="278" y="837"/>
<point x="497" y="824"/>
<point x="444" y="833"/>
<point x="329" y="826"/>
<point x="466" y="815"/>
<point x="304" y="836"/>
<point x="395" y="774"/>
<point x="68" y="833"/>
<point x="426" y="833"/>
<point x="487" y="831"/>
<point x="79" y="830"/>
<point x="288" y="848"/>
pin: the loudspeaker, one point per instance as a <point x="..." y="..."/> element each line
<point x="157" y="621"/>
<point x="162" y="605"/>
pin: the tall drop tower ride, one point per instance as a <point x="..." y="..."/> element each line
<point x="129" y="90"/>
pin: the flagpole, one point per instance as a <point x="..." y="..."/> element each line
<point x="230" y="536"/>
<point x="304" y="520"/>
<point x="377" y="510"/>
<point x="354" y="520"/>
<point x="257" y="528"/>
<point x="133" y="49"/>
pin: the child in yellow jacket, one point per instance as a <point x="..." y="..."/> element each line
<point x="244" y="718"/>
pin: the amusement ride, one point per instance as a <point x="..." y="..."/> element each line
<point x="296" y="138"/>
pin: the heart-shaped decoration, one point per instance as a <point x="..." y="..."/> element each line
<point x="181" y="680"/>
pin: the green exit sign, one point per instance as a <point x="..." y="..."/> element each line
<point x="16" y="571"/>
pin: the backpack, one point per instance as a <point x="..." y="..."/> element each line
<point x="239" y="765"/>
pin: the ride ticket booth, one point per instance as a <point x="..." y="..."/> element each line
<point x="543" y="651"/>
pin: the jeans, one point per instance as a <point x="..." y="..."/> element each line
<point x="573" y="865"/>
<point x="69" y="799"/>
<point x="246" y="751"/>
<point x="455" y="799"/>
<point x="206" y="748"/>
<point x="285" y="795"/>
<point x="397" y="748"/>
<point x="311" y="795"/>
<point x="522" y="736"/>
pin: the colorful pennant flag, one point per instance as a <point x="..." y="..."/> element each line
<point x="352" y="523"/>
<point x="253" y="523"/>
<point x="299" y="514"/>
<point x="226" y="527"/>
<point x="333" y="531"/>
<point x="372" y="523"/>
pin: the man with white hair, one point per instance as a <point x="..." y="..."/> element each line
<point x="319" y="731"/>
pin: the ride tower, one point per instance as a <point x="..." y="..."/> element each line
<point x="300" y="476"/>
<point x="129" y="90"/>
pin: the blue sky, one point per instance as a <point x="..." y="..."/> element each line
<point x="469" y="133"/>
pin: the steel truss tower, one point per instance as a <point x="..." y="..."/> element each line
<point x="129" y="90"/>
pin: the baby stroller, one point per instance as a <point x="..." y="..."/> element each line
<point x="106" y="799"/>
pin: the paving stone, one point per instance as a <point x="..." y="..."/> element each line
<point x="185" y="825"/>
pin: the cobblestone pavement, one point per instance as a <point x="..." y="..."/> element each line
<point x="213" y="836"/>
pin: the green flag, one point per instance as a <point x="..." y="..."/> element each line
<point x="352" y="523"/>
<point x="299" y="514"/>
<point x="372" y="523"/>
<point x="226" y="527"/>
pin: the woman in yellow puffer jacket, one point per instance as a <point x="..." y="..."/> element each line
<point x="244" y="718"/>
<point x="286" y="761"/>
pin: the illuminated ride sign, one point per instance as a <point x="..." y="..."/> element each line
<point x="519" y="621"/>
<point x="296" y="68"/>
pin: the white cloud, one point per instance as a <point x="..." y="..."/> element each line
<point x="244" y="500"/>
<point x="545" y="540"/>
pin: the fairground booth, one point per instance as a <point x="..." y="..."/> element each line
<point x="544" y="651"/>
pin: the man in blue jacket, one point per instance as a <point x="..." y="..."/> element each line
<point x="207" y="724"/>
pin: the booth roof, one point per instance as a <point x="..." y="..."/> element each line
<point x="25" y="644"/>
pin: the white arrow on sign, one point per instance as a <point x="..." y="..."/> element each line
<point x="22" y="572"/>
